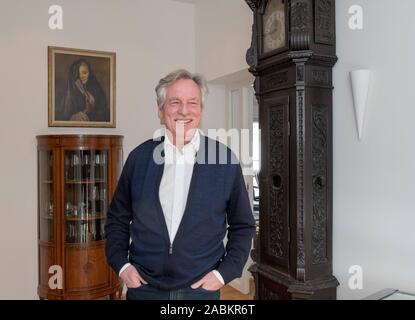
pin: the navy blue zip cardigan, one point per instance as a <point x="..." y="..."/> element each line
<point x="217" y="202"/>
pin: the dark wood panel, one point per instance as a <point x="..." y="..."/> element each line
<point x="293" y="86"/>
<point x="274" y="180"/>
<point x="270" y="290"/>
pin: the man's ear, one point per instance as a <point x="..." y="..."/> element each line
<point x="160" y="115"/>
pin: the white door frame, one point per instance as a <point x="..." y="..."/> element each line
<point x="239" y="114"/>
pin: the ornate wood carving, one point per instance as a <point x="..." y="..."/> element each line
<point x="300" y="72"/>
<point x="300" y="31"/>
<point x="300" y="184"/>
<point x="324" y="22"/>
<point x="268" y="294"/>
<point x="319" y="158"/>
<point x="274" y="80"/>
<point x="253" y="4"/>
<point x="320" y="76"/>
<point x="272" y="292"/>
<point x="252" y="53"/>
<point x="299" y="15"/>
<point x="295" y="258"/>
<point x="276" y="185"/>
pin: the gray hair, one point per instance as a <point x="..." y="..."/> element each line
<point x="167" y="81"/>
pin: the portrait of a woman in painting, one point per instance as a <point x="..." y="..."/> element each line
<point x="84" y="99"/>
<point x="81" y="88"/>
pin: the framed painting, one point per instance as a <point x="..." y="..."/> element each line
<point x="81" y="88"/>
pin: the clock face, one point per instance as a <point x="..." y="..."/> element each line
<point x="273" y="26"/>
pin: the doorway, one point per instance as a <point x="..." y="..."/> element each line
<point x="233" y="97"/>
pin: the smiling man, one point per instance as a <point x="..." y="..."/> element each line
<point x="180" y="110"/>
<point x="168" y="219"/>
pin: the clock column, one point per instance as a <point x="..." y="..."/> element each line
<point x="293" y="250"/>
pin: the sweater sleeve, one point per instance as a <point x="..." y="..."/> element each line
<point x="241" y="228"/>
<point x="119" y="216"/>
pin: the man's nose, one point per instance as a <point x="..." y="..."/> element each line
<point x="184" y="109"/>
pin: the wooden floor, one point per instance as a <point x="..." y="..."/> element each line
<point x="229" y="293"/>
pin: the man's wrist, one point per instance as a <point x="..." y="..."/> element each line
<point x="219" y="276"/>
<point x="123" y="268"/>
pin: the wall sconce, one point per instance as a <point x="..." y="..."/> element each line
<point x="360" y="80"/>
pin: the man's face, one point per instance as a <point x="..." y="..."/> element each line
<point x="182" y="110"/>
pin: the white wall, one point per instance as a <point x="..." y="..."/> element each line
<point x="223" y="29"/>
<point x="374" y="189"/>
<point x="223" y="35"/>
<point x="214" y="110"/>
<point x="150" y="39"/>
<point x="222" y="39"/>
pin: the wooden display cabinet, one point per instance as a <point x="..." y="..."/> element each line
<point x="77" y="175"/>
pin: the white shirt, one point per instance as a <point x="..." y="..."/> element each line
<point x="175" y="184"/>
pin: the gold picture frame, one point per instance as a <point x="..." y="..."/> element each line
<point x="81" y="85"/>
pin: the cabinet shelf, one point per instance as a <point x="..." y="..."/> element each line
<point x="86" y="218"/>
<point x="45" y="243"/>
<point x="76" y="177"/>
<point x="85" y="181"/>
<point x="96" y="243"/>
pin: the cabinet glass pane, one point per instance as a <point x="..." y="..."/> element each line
<point x="86" y="195"/>
<point x="119" y="163"/>
<point x="46" y="206"/>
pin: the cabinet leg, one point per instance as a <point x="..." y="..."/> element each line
<point x="120" y="290"/>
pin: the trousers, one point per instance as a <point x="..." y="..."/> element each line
<point x="147" y="292"/>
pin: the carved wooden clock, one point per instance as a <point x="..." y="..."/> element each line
<point x="292" y="55"/>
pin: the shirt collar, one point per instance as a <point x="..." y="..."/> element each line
<point x="194" y="143"/>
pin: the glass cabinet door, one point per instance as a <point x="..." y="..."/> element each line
<point x="85" y="195"/>
<point x="46" y="199"/>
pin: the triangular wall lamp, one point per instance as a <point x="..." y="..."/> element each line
<point x="360" y="80"/>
